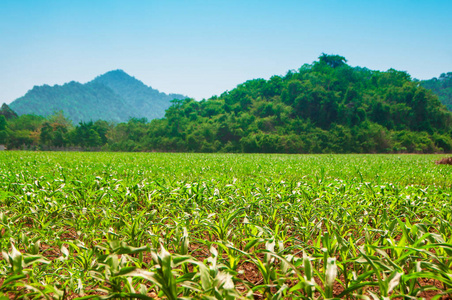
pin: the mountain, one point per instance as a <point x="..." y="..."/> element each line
<point x="442" y="87"/>
<point x="114" y="96"/>
<point x="324" y="107"/>
<point x="137" y="94"/>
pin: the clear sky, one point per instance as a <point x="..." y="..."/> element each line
<point x="203" y="48"/>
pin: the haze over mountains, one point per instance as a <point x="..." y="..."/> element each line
<point x="114" y="96"/>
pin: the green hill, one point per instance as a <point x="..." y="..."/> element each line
<point x="113" y="96"/>
<point x="326" y="106"/>
<point x="442" y="87"/>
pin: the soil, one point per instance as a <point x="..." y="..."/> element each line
<point x="444" y="161"/>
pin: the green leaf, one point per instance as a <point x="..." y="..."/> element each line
<point x="13" y="278"/>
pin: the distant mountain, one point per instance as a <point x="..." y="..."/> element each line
<point x="113" y="96"/>
<point x="442" y="87"/>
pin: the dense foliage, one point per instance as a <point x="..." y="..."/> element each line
<point x="224" y="226"/>
<point x="327" y="106"/>
<point x="442" y="87"/>
<point x="113" y="96"/>
<point x="324" y="107"/>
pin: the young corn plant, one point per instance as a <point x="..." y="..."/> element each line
<point x="17" y="272"/>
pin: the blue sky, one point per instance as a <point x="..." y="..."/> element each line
<point x="203" y="48"/>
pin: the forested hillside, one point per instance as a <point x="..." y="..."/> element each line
<point x="114" y="96"/>
<point x="442" y="87"/>
<point x="324" y="107"/>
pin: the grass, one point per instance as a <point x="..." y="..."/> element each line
<point x="224" y="226"/>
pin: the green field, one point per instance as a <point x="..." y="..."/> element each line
<point x="224" y="226"/>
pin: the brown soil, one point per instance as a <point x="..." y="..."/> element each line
<point x="444" y="161"/>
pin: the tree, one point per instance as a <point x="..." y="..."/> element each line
<point x="94" y="139"/>
<point x="3" y="123"/>
<point x="46" y="136"/>
<point x="333" y="61"/>
<point x="59" y="137"/>
<point x="3" y="130"/>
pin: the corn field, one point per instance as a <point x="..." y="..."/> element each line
<point x="224" y="226"/>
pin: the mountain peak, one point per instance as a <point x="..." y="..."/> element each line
<point x="115" y="75"/>
<point x="118" y="72"/>
<point x="118" y="78"/>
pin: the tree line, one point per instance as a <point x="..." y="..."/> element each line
<point x="323" y="107"/>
